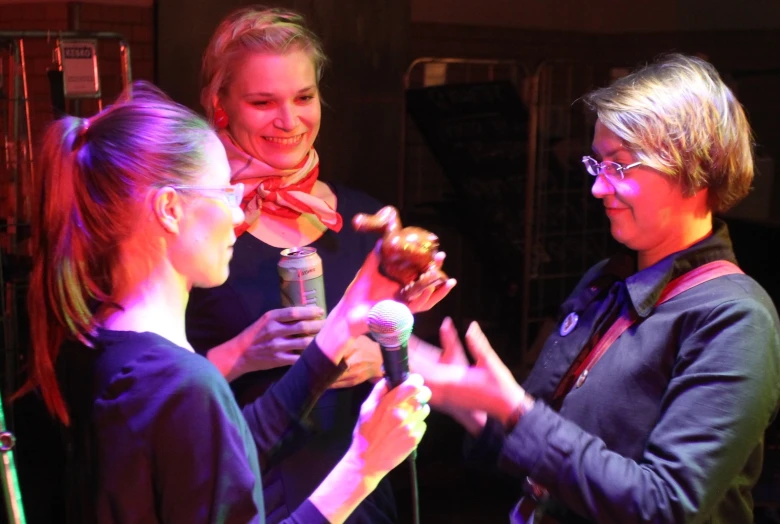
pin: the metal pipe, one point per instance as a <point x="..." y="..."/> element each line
<point x="12" y="35"/>
<point x="124" y="56"/>
<point x="10" y="480"/>
<point x="530" y="183"/>
<point x="74" y="22"/>
<point x="29" y="145"/>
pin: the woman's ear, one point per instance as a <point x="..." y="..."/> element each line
<point x="167" y="208"/>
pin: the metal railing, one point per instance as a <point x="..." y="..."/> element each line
<point x="17" y="169"/>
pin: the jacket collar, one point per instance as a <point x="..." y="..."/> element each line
<point x="644" y="287"/>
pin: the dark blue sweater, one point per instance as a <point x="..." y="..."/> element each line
<point x="156" y="435"/>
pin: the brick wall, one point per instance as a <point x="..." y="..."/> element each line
<point x="134" y="23"/>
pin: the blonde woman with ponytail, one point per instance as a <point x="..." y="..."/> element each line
<point x="133" y="208"/>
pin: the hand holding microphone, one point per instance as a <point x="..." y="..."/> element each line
<point x="392" y="418"/>
<point x="390" y="324"/>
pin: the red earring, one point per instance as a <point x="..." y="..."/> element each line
<point x="220" y="118"/>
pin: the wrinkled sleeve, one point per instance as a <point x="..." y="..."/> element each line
<point x="307" y="513"/>
<point x="721" y="398"/>
<point x="280" y="414"/>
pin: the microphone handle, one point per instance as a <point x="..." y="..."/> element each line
<point x="396" y="363"/>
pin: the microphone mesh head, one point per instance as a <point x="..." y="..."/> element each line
<point x="390" y="323"/>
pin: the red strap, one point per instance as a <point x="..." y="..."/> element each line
<point x="682" y="283"/>
<point x="697" y="276"/>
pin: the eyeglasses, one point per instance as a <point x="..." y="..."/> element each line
<point x="607" y="168"/>
<point x="231" y="194"/>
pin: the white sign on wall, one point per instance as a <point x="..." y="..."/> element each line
<point x="78" y="59"/>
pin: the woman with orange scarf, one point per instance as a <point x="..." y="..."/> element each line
<point x="261" y="74"/>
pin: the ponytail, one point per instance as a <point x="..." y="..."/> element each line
<point x="61" y="288"/>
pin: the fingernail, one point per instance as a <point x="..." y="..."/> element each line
<point x="416" y="379"/>
<point x="424" y="396"/>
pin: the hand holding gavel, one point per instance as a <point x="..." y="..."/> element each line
<point x="407" y="253"/>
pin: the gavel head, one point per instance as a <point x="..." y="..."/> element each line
<point x="408" y="252"/>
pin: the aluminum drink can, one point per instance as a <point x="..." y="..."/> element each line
<point x="300" y="274"/>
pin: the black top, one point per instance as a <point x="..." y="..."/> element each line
<point x="156" y="435"/>
<point x="292" y="470"/>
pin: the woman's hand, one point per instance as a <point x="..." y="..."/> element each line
<point x="434" y="293"/>
<point x="390" y="426"/>
<point x="349" y="319"/>
<point x="364" y="362"/>
<point x="424" y="358"/>
<point x="371" y="286"/>
<point x="486" y="386"/>
<point x="275" y="339"/>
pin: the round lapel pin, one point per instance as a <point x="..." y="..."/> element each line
<point x="569" y="323"/>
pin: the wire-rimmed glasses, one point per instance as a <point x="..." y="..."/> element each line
<point x="232" y="194"/>
<point x="607" y="168"/>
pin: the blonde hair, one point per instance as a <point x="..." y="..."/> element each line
<point x="254" y="29"/>
<point x="679" y="117"/>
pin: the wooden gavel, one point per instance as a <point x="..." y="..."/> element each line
<point x="406" y="253"/>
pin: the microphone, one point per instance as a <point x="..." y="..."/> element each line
<point x="390" y="324"/>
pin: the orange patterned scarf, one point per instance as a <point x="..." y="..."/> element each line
<point x="280" y="192"/>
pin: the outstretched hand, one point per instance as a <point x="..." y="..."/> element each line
<point x="370" y="286"/>
<point x="486" y="386"/>
<point x="432" y="294"/>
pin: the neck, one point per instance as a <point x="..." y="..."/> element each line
<point x="153" y="299"/>
<point x="284" y="232"/>
<point x="693" y="231"/>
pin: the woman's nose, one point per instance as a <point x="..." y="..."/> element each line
<point x="287" y="119"/>
<point x="602" y="187"/>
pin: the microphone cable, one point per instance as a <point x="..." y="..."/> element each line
<point x="412" y="460"/>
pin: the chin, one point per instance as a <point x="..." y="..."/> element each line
<point x="212" y="281"/>
<point x="286" y="163"/>
<point x="631" y="244"/>
<point x="287" y="160"/>
<point x="622" y="238"/>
